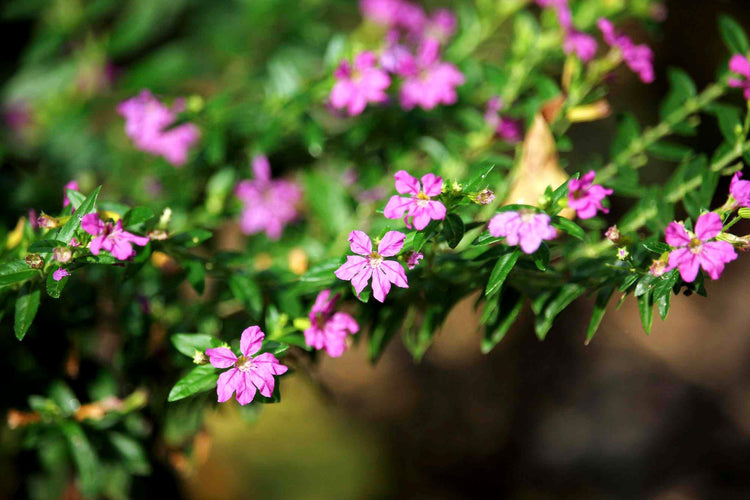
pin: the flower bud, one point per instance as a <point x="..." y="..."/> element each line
<point x="613" y="235"/>
<point x="47" y="222"/>
<point x="200" y="358"/>
<point x="622" y="253"/>
<point x="35" y="261"/>
<point x="484" y="197"/>
<point x="658" y="267"/>
<point x="63" y="255"/>
<point x="157" y="234"/>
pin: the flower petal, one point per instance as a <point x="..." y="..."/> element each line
<point x="92" y="224"/>
<point x="359" y="282"/>
<point x="381" y="285"/>
<point x="221" y="357"/>
<point x="360" y="243"/>
<point x="395" y="273"/>
<point x="391" y="244"/>
<point x="227" y="384"/>
<point x="246" y="391"/>
<point x="676" y="236"/>
<point x="251" y="340"/>
<point x="396" y="207"/>
<point x="708" y="226"/>
<point x="432" y="184"/>
<point x="405" y="183"/>
<point x="349" y="269"/>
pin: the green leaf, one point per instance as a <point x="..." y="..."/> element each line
<point x="567" y="294"/>
<point x="319" y="276"/>
<point x="196" y="274"/>
<point x="188" y="343"/>
<point x="663" y="292"/>
<point x="55" y="288"/>
<point x="733" y="35"/>
<point x="199" y="379"/>
<point x="84" y="456"/>
<point x="66" y="233"/>
<point x="453" y="230"/>
<point x="246" y="290"/>
<point x="509" y="307"/>
<point x="15" y="271"/>
<point x="131" y="451"/>
<point x="646" y="309"/>
<point x="568" y="226"/>
<point x="191" y="238"/>
<point x="501" y="271"/>
<point x="479" y="181"/>
<point x="600" y="307"/>
<point x="730" y="121"/>
<point x="75" y="197"/>
<point x="670" y="151"/>
<point x="541" y="257"/>
<point x="137" y="215"/>
<point x="45" y="246"/>
<point x="627" y="131"/>
<point x="27" y="305"/>
<point x="363" y="297"/>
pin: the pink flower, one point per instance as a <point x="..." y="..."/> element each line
<point x="70" y="185"/>
<point x="111" y="238"/>
<point x="583" y="45"/>
<point x="694" y="250"/>
<point x="639" y="58"/>
<point x="355" y="88"/>
<point x="329" y="328"/>
<point x="433" y="83"/>
<point x="525" y="228"/>
<point x="507" y="129"/>
<point x="740" y="66"/>
<point x="441" y="26"/>
<point x="395" y="13"/>
<point x="248" y="372"/>
<point x="740" y="190"/>
<point x="418" y="205"/>
<point x="60" y="274"/>
<point x="396" y="58"/>
<point x="414" y="259"/>
<point x="269" y="205"/>
<point x="368" y="264"/>
<point x="585" y="197"/>
<point x="147" y="121"/>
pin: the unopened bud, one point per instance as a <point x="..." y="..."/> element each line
<point x="35" y="261"/>
<point x="63" y="255"/>
<point x="166" y="215"/>
<point x="658" y="267"/>
<point x="157" y="234"/>
<point x="456" y="187"/>
<point x="47" y="222"/>
<point x="200" y="358"/>
<point x="622" y="253"/>
<point x="613" y="235"/>
<point x="484" y="197"/>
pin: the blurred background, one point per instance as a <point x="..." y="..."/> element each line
<point x="663" y="417"/>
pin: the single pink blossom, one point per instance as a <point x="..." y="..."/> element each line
<point x="419" y="205"/>
<point x="740" y="66"/>
<point x="508" y="129"/>
<point x="70" y="185"/>
<point x="328" y="327"/>
<point x="695" y="250"/>
<point x="147" y="123"/>
<point x="524" y="227"/>
<point x="369" y="264"/>
<point x="433" y="83"/>
<point x="248" y="373"/>
<point x="110" y="237"/>
<point x="60" y="274"/>
<point x="582" y="44"/>
<point x="585" y="197"/>
<point x="740" y="190"/>
<point x="440" y="26"/>
<point x="639" y="58"/>
<point x="355" y="87"/>
<point x="383" y="12"/>
<point x="414" y="259"/>
<point x="269" y="205"/>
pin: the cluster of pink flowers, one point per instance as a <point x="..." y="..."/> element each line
<point x="506" y="128"/>
<point x="329" y="328"/>
<point x="692" y="251"/>
<point x="269" y="204"/>
<point x="585" y="197"/>
<point x="525" y="228"/>
<point x="248" y="373"/>
<point x="576" y="42"/>
<point x="639" y="58"/>
<point x="740" y="67"/>
<point x="111" y="237"/>
<point x="411" y="53"/>
<point x="419" y="206"/>
<point x="147" y="123"/>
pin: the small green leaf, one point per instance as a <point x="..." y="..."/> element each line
<point x="199" y="379"/>
<point x="479" y="181"/>
<point x="600" y="306"/>
<point x="75" y="197"/>
<point x="66" y="233"/>
<point x="196" y="274"/>
<point x="646" y="308"/>
<point x="568" y="226"/>
<point x="45" y="246"/>
<point x="567" y="294"/>
<point x="55" y="288"/>
<point x="27" y="304"/>
<point x="137" y="215"/>
<point x="509" y="307"/>
<point x="501" y="271"/>
<point x="15" y="271"/>
<point x="188" y="343"/>
<point x="453" y="230"/>
<point x="541" y="257"/>
<point x="733" y="35"/>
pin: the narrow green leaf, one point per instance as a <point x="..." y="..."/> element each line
<point x="568" y="226"/>
<point x="45" y="246"/>
<point x="84" y="456"/>
<point x="15" y="271"/>
<point x="541" y="257"/>
<point x="733" y="35"/>
<point x="478" y="181"/>
<point x="27" y="305"/>
<point x="131" y="451"/>
<point x="199" y="379"/>
<point x="75" y="197"/>
<point x="646" y="308"/>
<point x="453" y="230"/>
<point x="66" y="233"/>
<point x="600" y="307"/>
<point x="137" y="215"/>
<point x="564" y="297"/>
<point x="510" y="305"/>
<point x="501" y="271"/>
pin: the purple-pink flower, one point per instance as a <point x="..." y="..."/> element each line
<point x="582" y="44"/>
<point x="740" y="66"/>
<point x="507" y="129"/>
<point x="639" y="58"/>
<point x="369" y="264"/>
<point x="70" y="185"/>
<point x="110" y="237"/>
<point x="434" y="81"/>
<point x="585" y="197"/>
<point x="740" y="190"/>
<point x="269" y="205"/>
<point x="358" y="86"/>
<point x="147" y="121"/>
<point x="414" y="259"/>
<point x="695" y="250"/>
<point x="248" y="373"/>
<point x="60" y="274"/>
<point x="328" y="327"/>
<point x="525" y="228"/>
<point x="419" y="206"/>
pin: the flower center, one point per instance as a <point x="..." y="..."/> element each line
<point x="695" y="246"/>
<point x="320" y="321"/>
<point x="577" y="194"/>
<point x="422" y="199"/>
<point x="375" y="259"/>
<point x="527" y="216"/>
<point x="244" y="363"/>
